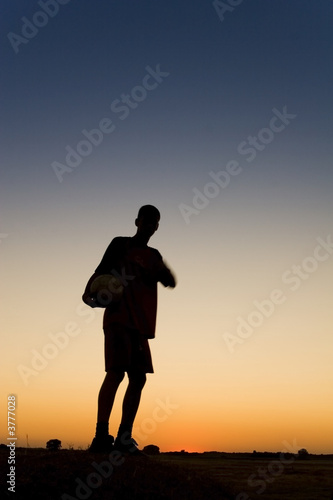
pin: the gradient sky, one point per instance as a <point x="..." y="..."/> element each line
<point x="265" y="236"/>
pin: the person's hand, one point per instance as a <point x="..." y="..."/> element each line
<point x="164" y="275"/>
<point x="89" y="300"/>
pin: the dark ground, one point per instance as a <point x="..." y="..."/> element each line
<point x="69" y="475"/>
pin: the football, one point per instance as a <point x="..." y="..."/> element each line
<point x="106" y="288"/>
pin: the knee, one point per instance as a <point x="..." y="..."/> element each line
<point x="137" y="379"/>
<point x="116" y="375"/>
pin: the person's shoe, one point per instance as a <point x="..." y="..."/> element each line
<point x="126" y="444"/>
<point x="102" y="444"/>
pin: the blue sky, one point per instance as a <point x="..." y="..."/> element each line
<point x="224" y="79"/>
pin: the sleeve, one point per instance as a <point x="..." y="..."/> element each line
<point x="163" y="273"/>
<point x="112" y="256"/>
<point x="110" y="262"/>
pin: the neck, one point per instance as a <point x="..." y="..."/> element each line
<point x="141" y="239"/>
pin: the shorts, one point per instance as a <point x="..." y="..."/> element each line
<point x="125" y="349"/>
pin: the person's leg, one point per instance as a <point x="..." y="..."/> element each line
<point x="105" y="402"/>
<point x="136" y="382"/>
<point x="102" y="441"/>
<point x="114" y="349"/>
<point x="107" y="394"/>
<point x="139" y="364"/>
<point x="124" y="441"/>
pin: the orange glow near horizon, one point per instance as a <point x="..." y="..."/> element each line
<point x="237" y="420"/>
<point x="274" y="387"/>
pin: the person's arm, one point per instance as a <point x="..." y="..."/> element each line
<point x="87" y="297"/>
<point x="154" y="269"/>
<point x="166" y="277"/>
<point x="111" y="256"/>
<point x="164" y="274"/>
<point x="106" y="266"/>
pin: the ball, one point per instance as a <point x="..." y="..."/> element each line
<point x="107" y="288"/>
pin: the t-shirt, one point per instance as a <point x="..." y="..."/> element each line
<point x="136" y="267"/>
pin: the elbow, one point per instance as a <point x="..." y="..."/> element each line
<point x="171" y="282"/>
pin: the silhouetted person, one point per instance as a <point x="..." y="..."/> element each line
<point x="127" y="325"/>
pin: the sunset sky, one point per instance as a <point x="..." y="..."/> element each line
<point x="222" y="118"/>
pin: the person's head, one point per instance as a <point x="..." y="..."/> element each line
<point x="147" y="220"/>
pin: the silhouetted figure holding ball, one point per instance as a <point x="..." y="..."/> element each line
<point x="129" y="321"/>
